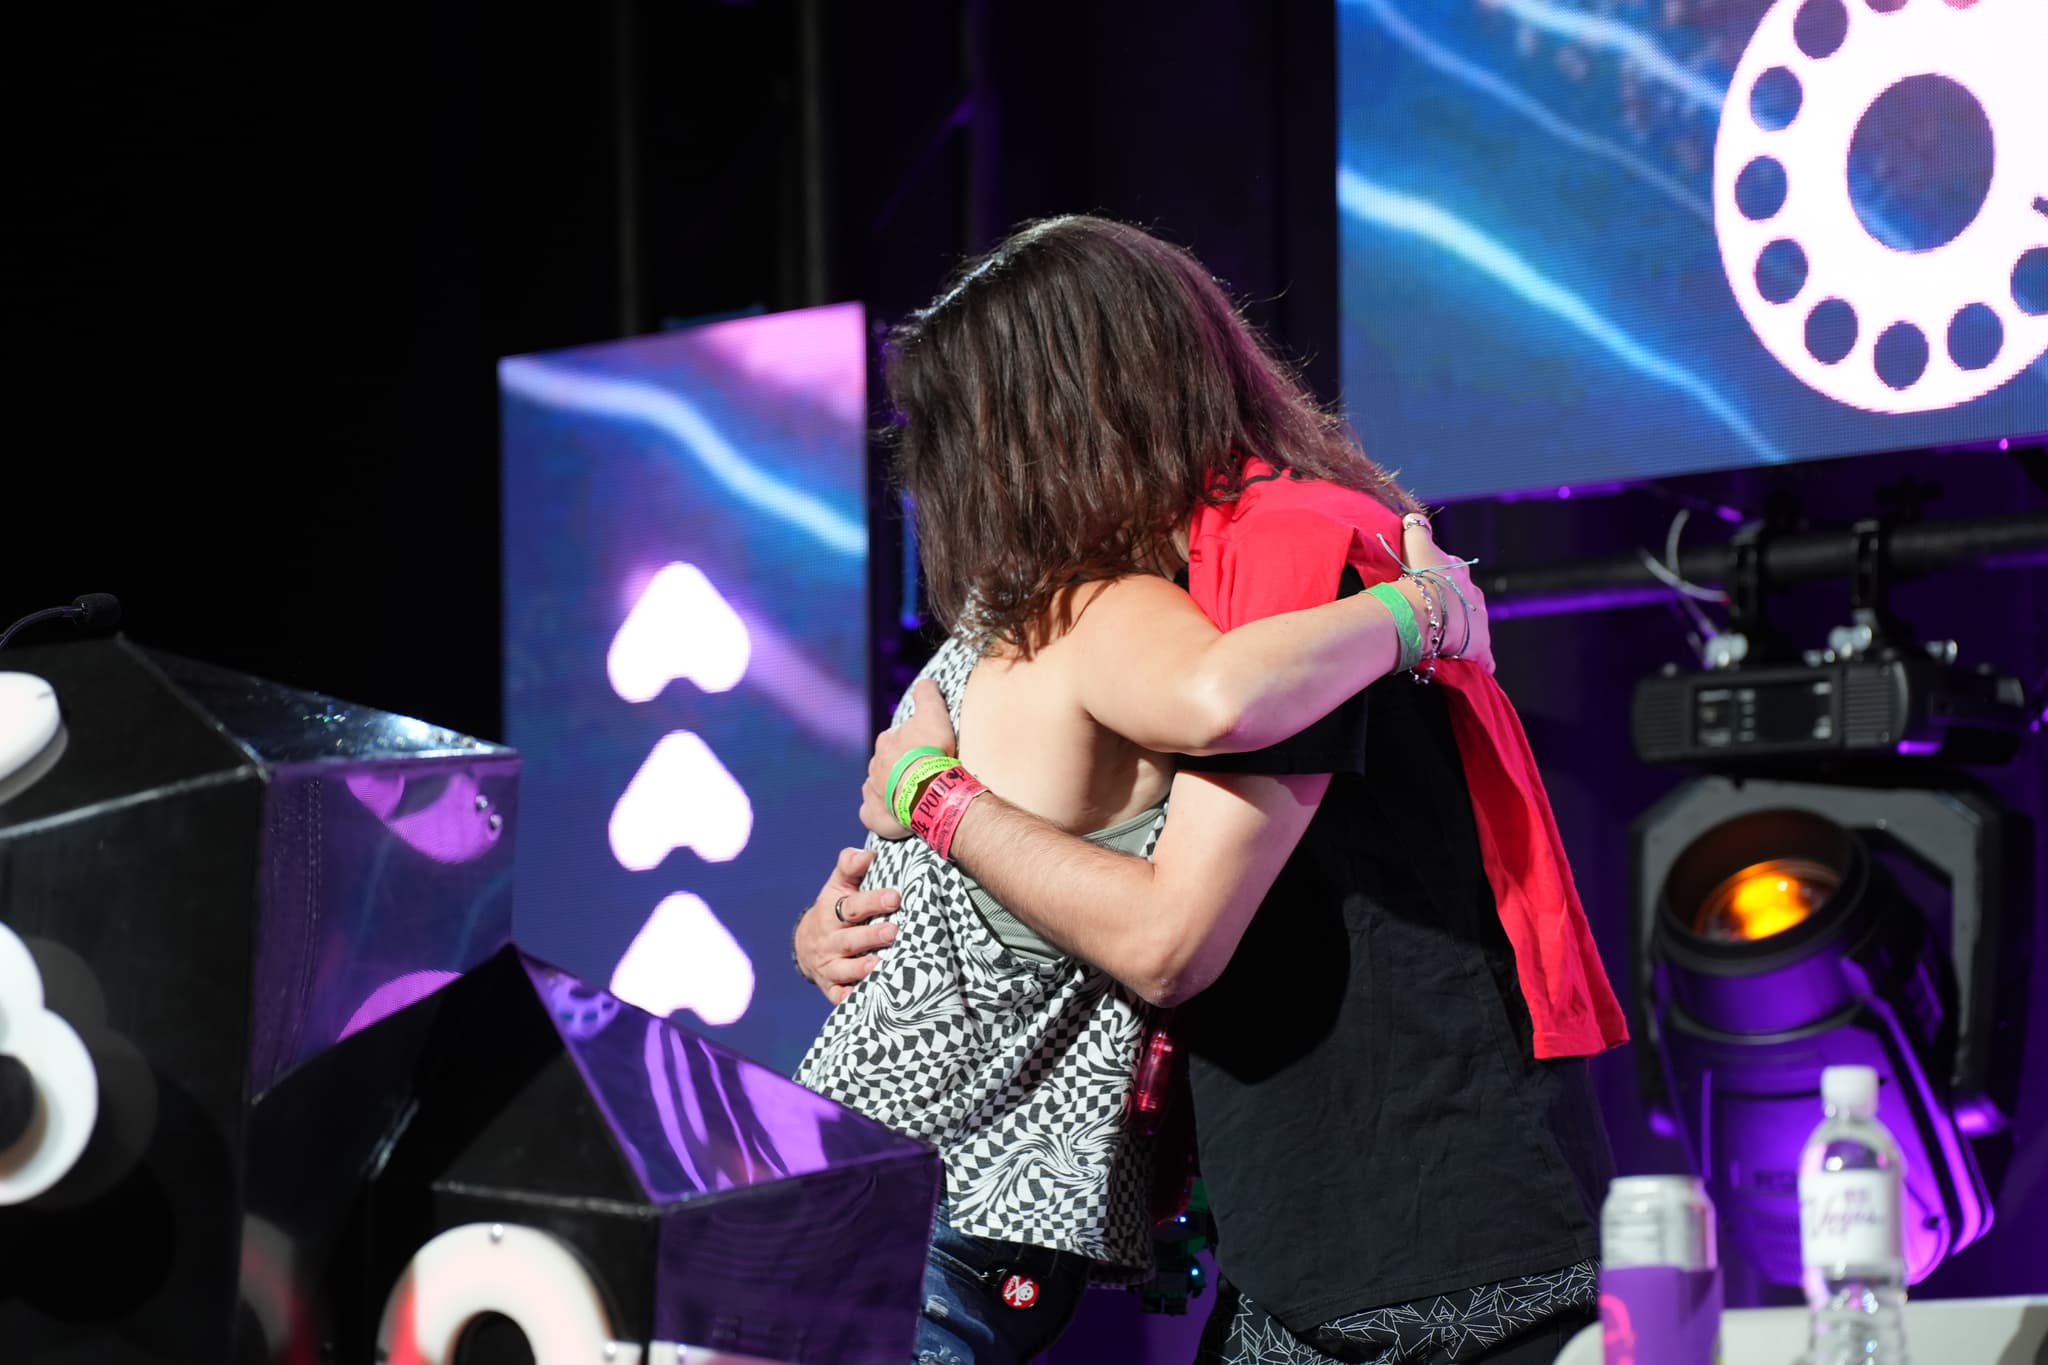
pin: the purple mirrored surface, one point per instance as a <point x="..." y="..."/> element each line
<point x="381" y="879"/>
<point x="825" y="1268"/>
<point x="792" y="1228"/>
<point x="696" y="1118"/>
<point x="385" y="857"/>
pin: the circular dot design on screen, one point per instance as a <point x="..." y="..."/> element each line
<point x="1884" y="294"/>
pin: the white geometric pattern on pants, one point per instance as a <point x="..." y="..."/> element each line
<point x="1015" y="1069"/>
<point x="1441" y="1330"/>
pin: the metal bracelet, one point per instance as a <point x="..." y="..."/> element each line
<point x="1446" y="580"/>
<point x="1436" y="574"/>
<point x="1433" y="633"/>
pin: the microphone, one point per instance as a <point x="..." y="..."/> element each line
<point x="95" y="611"/>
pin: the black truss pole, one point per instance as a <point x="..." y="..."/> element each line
<point x="1909" y="551"/>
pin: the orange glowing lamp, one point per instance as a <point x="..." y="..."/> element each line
<point x="1764" y="899"/>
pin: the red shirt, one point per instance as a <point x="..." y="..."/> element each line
<point x="1282" y="546"/>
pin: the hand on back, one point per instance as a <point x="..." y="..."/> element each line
<point x="838" y="937"/>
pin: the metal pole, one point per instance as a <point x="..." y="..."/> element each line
<point x="1911" y="550"/>
<point x="626" y="143"/>
<point x="979" y="189"/>
<point x="810" y="22"/>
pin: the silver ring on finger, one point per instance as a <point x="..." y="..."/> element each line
<point x="839" y="908"/>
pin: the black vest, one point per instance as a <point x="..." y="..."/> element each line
<point x="1373" y="1125"/>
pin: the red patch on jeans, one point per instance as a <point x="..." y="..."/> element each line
<point x="1020" y="1291"/>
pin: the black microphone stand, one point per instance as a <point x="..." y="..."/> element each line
<point x="94" y="609"/>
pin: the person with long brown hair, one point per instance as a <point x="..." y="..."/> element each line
<point x="1387" y="1063"/>
<point x="1083" y="415"/>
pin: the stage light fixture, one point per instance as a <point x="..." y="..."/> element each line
<point x="1833" y="889"/>
<point x="1773" y="938"/>
<point x="1764" y="900"/>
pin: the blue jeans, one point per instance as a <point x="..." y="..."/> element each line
<point x="994" y="1303"/>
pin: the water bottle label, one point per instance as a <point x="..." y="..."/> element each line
<point x="1849" y="1217"/>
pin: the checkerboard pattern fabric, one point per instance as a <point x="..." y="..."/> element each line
<point x="1017" y="1070"/>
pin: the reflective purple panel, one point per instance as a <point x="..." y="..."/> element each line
<point x="386" y="858"/>
<point x="827" y="1267"/>
<point x="791" y="1228"/>
<point x="696" y="1118"/>
<point x="380" y="880"/>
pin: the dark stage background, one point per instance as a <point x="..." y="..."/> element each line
<point x="268" y="254"/>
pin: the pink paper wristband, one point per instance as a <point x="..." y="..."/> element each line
<point x="941" y="806"/>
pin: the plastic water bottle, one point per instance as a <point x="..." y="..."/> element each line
<point x="1849" y="1232"/>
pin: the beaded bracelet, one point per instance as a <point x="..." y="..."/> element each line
<point x="1447" y="581"/>
<point x="1433" y="638"/>
<point x="1424" y="577"/>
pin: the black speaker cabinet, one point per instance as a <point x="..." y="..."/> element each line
<point x="206" y="882"/>
<point x="274" y="1087"/>
<point x="611" y="1183"/>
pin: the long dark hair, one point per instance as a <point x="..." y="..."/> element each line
<point x="1066" y="403"/>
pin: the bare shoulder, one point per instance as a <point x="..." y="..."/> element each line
<point x="1131" y="633"/>
<point x="1116" y="603"/>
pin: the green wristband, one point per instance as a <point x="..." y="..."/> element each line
<point x="915" y="779"/>
<point x="910" y="756"/>
<point x="1404" y="622"/>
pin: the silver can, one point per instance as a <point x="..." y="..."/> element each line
<point x="1658" y="1220"/>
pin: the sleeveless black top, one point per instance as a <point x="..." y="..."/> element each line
<point x="1373" y="1125"/>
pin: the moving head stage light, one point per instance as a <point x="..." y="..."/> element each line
<point x="1772" y="940"/>
<point x="1790" y="916"/>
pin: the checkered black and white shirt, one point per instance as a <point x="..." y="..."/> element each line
<point x="1016" y="1069"/>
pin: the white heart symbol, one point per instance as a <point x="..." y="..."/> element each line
<point x="684" y="958"/>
